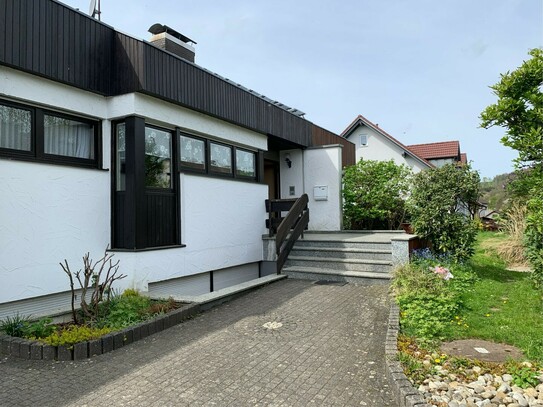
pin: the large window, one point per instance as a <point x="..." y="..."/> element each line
<point x="36" y="134"/>
<point x="158" y="158"/>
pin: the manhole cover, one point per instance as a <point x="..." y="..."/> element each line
<point x="481" y="350"/>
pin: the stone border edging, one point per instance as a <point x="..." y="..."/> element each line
<point x="406" y="394"/>
<point x="27" y="349"/>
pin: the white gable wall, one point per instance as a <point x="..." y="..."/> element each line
<point x="381" y="148"/>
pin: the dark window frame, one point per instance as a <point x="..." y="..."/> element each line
<point x="232" y="160"/>
<point x="172" y="157"/>
<point x="37" y="136"/>
<point x="241" y="176"/>
<point x="233" y="175"/>
<point x="182" y="164"/>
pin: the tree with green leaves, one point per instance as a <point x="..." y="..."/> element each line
<point x="442" y="204"/>
<point x="519" y="110"/>
<point x="374" y="194"/>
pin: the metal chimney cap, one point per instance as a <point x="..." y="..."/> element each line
<point x="160" y="28"/>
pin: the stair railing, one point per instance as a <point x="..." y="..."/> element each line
<point x="290" y="229"/>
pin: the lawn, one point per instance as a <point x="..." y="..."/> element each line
<point x="501" y="306"/>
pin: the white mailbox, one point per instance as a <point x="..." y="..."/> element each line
<point x="320" y="193"/>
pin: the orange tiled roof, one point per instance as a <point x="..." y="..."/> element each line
<point x="463" y="158"/>
<point x="444" y="149"/>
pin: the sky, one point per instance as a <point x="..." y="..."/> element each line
<point x="420" y="69"/>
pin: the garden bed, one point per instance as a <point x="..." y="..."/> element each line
<point x="36" y="350"/>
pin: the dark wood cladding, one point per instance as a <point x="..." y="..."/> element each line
<point x="323" y="137"/>
<point x="49" y="39"/>
<point x="161" y="219"/>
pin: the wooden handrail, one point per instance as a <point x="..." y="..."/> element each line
<point x="295" y="222"/>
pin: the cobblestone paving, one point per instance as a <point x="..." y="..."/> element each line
<point x="292" y="343"/>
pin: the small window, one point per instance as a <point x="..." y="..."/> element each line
<point x="69" y="138"/>
<point x="363" y="140"/>
<point x="220" y="158"/>
<point x="120" y="164"/>
<point x="158" y="155"/>
<point x="15" y="128"/>
<point x="245" y="163"/>
<point x="193" y="153"/>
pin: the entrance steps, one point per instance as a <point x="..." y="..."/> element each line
<point x="361" y="258"/>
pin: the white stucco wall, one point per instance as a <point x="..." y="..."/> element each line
<point x="48" y="213"/>
<point x="51" y="212"/>
<point x="323" y="168"/>
<point x="380" y="148"/>
<point x="293" y="176"/>
<point x="222" y="223"/>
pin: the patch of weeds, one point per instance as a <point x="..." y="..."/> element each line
<point x="524" y="375"/>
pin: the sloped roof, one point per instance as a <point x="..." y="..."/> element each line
<point x="362" y="120"/>
<point x="443" y="149"/>
<point x="463" y="158"/>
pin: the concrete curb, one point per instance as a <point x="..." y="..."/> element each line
<point x="28" y="349"/>
<point x="406" y="394"/>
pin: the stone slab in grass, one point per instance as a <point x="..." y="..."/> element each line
<point x="479" y="349"/>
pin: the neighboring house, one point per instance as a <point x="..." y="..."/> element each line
<point x="107" y="140"/>
<point x="373" y="143"/>
<point x="441" y="153"/>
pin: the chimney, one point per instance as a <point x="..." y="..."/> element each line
<point x="172" y="41"/>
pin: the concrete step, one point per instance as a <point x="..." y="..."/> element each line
<point x="342" y="253"/>
<point x="344" y="244"/>
<point x="332" y="263"/>
<point x="354" y="277"/>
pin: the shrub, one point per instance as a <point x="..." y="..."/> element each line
<point x="373" y="193"/>
<point x="39" y="329"/>
<point x="126" y="310"/>
<point x="534" y="237"/>
<point x="442" y="204"/>
<point x="74" y="334"/>
<point x="15" y="326"/>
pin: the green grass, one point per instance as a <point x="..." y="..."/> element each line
<point x="502" y="306"/>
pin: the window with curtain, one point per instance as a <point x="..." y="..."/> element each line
<point x="245" y="163"/>
<point x="220" y="158"/>
<point x="68" y="137"/>
<point x="15" y="128"/>
<point x="32" y="133"/>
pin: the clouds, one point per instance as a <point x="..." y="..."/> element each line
<point x="418" y="67"/>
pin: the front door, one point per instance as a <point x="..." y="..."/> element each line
<point x="271" y="178"/>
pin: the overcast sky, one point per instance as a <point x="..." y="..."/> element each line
<point x="421" y="69"/>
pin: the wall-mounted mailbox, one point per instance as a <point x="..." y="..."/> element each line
<point x="320" y="193"/>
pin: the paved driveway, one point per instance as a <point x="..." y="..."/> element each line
<point x="292" y="343"/>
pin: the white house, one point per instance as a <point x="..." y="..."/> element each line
<point x="373" y="143"/>
<point x="107" y="140"/>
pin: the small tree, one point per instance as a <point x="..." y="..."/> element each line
<point x="91" y="277"/>
<point x="519" y="110"/>
<point x="374" y="193"/>
<point x="442" y="203"/>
